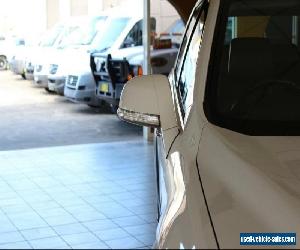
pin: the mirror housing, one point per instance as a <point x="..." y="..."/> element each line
<point x="147" y="101"/>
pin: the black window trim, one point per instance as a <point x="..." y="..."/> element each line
<point x="203" y="6"/>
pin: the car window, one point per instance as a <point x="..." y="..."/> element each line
<point x="135" y="36"/>
<point x="187" y="73"/>
<point x="256" y="82"/>
<point x="185" y="40"/>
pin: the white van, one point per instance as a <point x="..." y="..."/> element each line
<point x="80" y="84"/>
<point x="112" y="73"/>
<point x="76" y="43"/>
<point x="53" y="54"/>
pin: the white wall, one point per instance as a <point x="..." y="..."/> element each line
<point x="95" y="6"/>
<point x="32" y="16"/>
<point x="64" y="9"/>
<point x="164" y="13"/>
<point x="21" y="16"/>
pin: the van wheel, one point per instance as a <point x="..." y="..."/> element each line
<point x="3" y="63"/>
<point x="23" y="76"/>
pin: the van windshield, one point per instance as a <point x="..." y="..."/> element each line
<point x="82" y="34"/>
<point x="106" y="38"/>
<point x="256" y="79"/>
<point x="51" y="37"/>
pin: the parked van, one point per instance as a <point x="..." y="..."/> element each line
<point x="48" y="41"/>
<point x="13" y="47"/>
<point x="39" y="60"/>
<point x="117" y="29"/>
<point x="127" y="61"/>
<point x="76" y="43"/>
<point x="122" y="38"/>
<point x="46" y="63"/>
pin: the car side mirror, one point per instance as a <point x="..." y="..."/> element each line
<point x="147" y="101"/>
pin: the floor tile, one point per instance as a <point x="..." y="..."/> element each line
<point x="125" y="243"/>
<point x="141" y="229"/>
<point x="112" y="234"/>
<point x="70" y="229"/>
<point x="96" y="201"/>
<point x="129" y="221"/>
<point x="98" y="245"/>
<point x="149" y="218"/>
<point x="49" y="243"/>
<point x="27" y="221"/>
<point x="60" y="220"/>
<point x="38" y="233"/>
<point x="11" y="237"/>
<point x="147" y="239"/>
<point x="6" y="226"/>
<point x="16" y="245"/>
<point x="99" y="225"/>
<point x="80" y="238"/>
<point x="52" y="212"/>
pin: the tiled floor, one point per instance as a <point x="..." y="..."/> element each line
<point x="85" y="196"/>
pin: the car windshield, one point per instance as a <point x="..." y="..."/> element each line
<point x="106" y="38"/>
<point x="83" y="34"/>
<point x="256" y="78"/>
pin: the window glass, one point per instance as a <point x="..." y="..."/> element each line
<point x="51" y="37"/>
<point x="186" y="80"/>
<point x="185" y="40"/>
<point x="105" y="39"/>
<point x="257" y="75"/>
<point x="135" y="36"/>
<point x="83" y="34"/>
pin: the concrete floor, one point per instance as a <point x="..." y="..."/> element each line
<point x="31" y="117"/>
<point x="92" y="195"/>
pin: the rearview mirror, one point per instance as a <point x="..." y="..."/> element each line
<point x="147" y="101"/>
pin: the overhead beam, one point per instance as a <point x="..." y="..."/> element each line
<point x="183" y="7"/>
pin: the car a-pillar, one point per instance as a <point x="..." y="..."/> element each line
<point x="184" y="8"/>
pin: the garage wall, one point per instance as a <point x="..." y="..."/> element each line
<point x="162" y="10"/>
<point x="79" y="7"/>
<point x="164" y="13"/>
<point x="44" y="14"/>
<point x="95" y="7"/>
<point x="53" y="14"/>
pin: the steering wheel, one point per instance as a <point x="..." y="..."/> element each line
<point x="263" y="86"/>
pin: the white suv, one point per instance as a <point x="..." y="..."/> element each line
<point x="228" y="126"/>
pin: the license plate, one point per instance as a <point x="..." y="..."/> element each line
<point x="104" y="87"/>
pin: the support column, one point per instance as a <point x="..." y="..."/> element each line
<point x="148" y="134"/>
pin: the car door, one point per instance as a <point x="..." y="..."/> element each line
<point x="184" y="219"/>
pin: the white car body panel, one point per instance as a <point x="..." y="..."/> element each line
<point x="215" y="183"/>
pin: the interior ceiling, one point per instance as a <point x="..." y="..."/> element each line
<point x="183" y="7"/>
